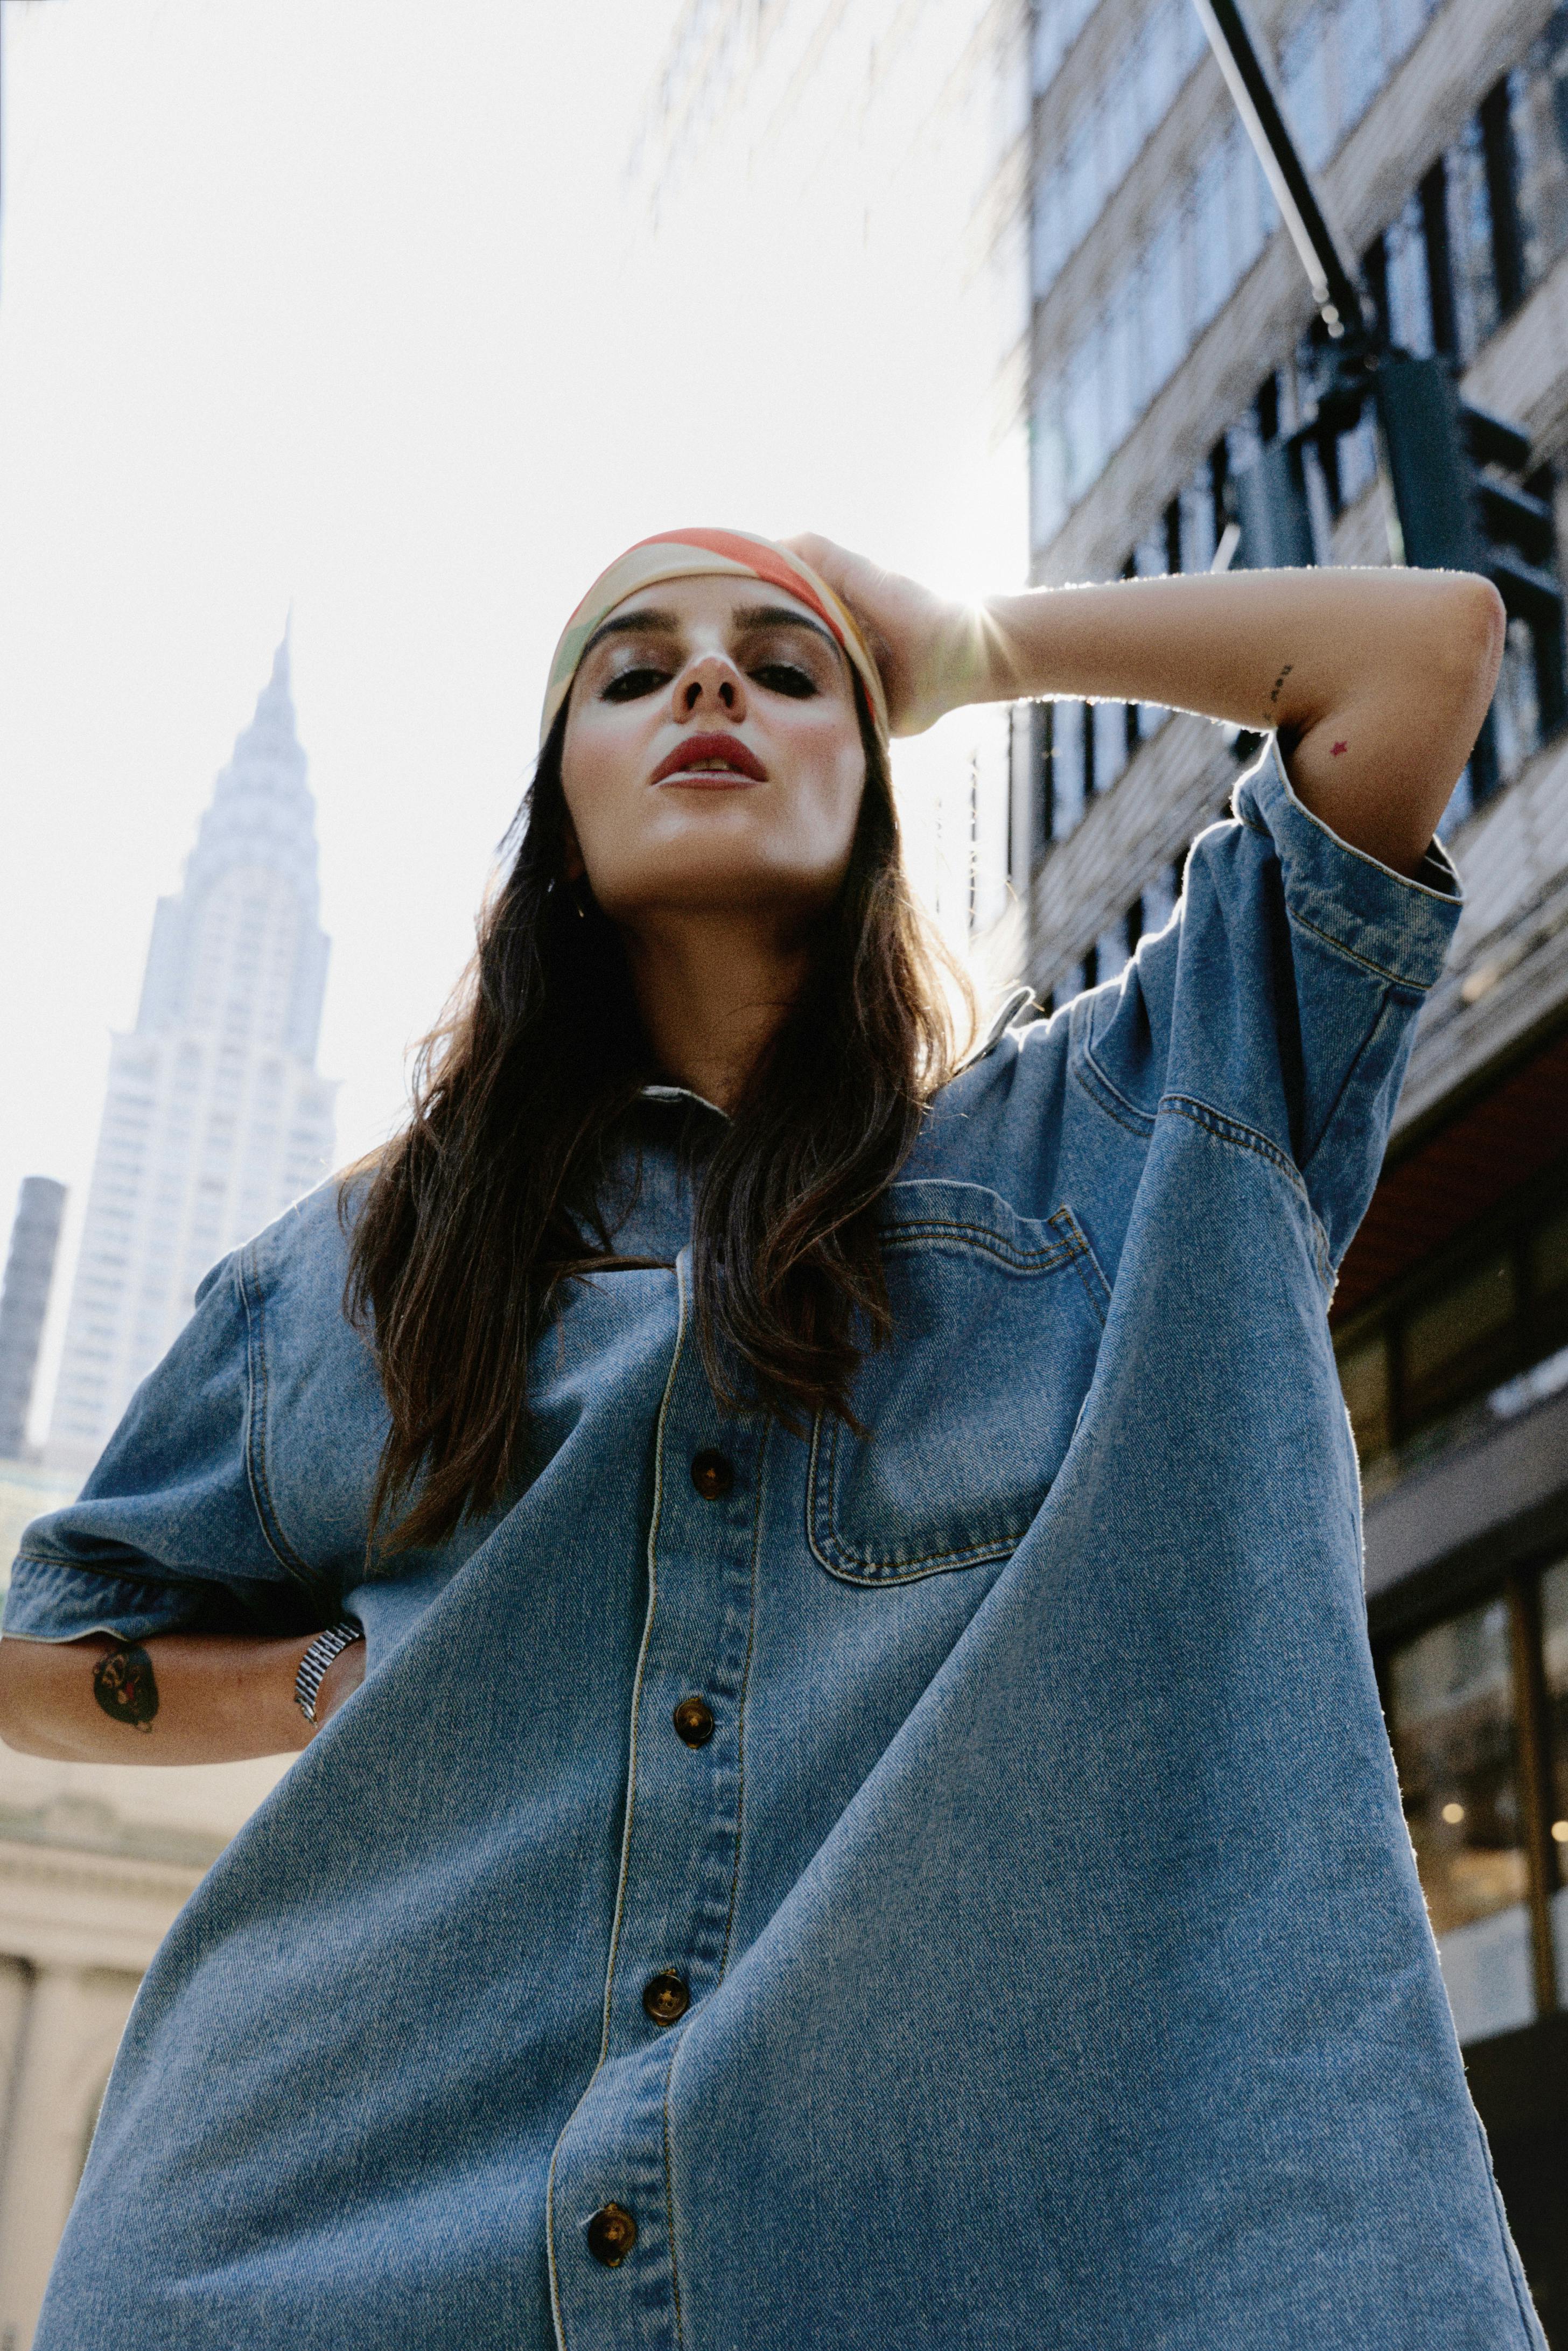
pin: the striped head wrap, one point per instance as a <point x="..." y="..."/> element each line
<point x="696" y="554"/>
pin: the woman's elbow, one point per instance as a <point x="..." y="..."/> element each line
<point x="1470" y="628"/>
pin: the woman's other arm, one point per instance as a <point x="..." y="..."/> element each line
<point x="1376" y="680"/>
<point x="175" y="1697"/>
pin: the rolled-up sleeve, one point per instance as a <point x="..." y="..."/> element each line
<point x="165" y="1535"/>
<point x="1283" y="998"/>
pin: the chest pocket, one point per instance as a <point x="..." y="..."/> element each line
<point x="969" y="1407"/>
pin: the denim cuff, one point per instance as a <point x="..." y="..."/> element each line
<point x="47" y="1602"/>
<point x="1399" y="926"/>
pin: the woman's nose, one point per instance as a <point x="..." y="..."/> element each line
<point x="713" y="684"/>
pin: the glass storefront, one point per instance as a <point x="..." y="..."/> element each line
<point x="1555" y="1659"/>
<point x="1453" y="1723"/>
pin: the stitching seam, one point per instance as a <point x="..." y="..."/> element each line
<point x="1137" y="1122"/>
<point x="1247" y="1138"/>
<point x="262" y="1503"/>
<point x="1396" y="979"/>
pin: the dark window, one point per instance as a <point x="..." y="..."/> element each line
<point x="1173" y="536"/>
<point x="1461" y="1339"/>
<point x="1485" y="1316"/>
<point x="1495" y="118"/>
<point x="1432" y="194"/>
<point x="1067" y="766"/>
<point x="1041" y="815"/>
<point x="1374" y="277"/>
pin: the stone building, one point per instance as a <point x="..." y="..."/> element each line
<point x="1172" y="340"/>
<point x="95" y="1861"/>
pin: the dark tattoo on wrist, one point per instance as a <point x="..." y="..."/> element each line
<point x="125" y="1686"/>
<point x="1278" y="682"/>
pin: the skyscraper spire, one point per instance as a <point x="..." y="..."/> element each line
<point x="215" y="1118"/>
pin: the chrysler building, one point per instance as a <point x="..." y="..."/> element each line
<point x="215" y="1118"/>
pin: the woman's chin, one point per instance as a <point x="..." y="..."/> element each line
<point x="706" y="881"/>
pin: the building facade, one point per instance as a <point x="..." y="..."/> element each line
<point x="24" y="1302"/>
<point x="1172" y="340"/>
<point x="215" y="1117"/>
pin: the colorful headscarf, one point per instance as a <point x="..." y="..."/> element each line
<point x="695" y="554"/>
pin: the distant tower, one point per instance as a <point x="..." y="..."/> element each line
<point x="215" y="1119"/>
<point x="23" y="1302"/>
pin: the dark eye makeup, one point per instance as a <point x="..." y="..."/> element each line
<point x="627" y="684"/>
<point x="786" y="677"/>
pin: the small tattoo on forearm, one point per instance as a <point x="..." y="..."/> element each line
<point x="1278" y="682"/>
<point x="125" y="1686"/>
<point x="1337" y="750"/>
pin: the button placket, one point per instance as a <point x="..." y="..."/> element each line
<point x="680" y="1859"/>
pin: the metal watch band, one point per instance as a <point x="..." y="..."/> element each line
<point x="313" y="1665"/>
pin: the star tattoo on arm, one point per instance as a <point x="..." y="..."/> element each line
<point x="125" y="1686"/>
<point x="1337" y="749"/>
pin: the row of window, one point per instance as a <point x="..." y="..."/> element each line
<point x="1336" y="56"/>
<point x="1057" y="25"/>
<point x="1481" y="229"/>
<point x="1465" y="249"/>
<point x="1102" y="144"/>
<point x="1186" y="268"/>
<point x="1495" y="1312"/>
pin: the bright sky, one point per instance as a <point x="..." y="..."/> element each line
<point x="353" y="306"/>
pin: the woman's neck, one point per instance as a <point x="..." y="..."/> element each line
<point x="711" y="988"/>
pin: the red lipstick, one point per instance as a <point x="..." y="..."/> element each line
<point x="715" y="760"/>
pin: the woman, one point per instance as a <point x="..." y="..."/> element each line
<point x="861" y="1814"/>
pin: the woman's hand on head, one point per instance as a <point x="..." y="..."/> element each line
<point x="931" y="653"/>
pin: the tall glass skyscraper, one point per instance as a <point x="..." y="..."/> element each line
<point x="215" y="1117"/>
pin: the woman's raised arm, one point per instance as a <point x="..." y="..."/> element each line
<point x="1377" y="680"/>
<point x="175" y="1697"/>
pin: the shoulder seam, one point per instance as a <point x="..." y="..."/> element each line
<point x="1241" y="1137"/>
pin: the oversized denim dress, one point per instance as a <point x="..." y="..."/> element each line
<point x="1058" y="1973"/>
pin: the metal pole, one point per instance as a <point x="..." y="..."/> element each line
<point x="1331" y="278"/>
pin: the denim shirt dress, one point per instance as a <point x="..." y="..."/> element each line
<point x="1059" y="1978"/>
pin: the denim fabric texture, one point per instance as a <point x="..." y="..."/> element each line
<point x="1059" y="1977"/>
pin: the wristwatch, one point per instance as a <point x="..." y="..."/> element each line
<point x="313" y="1665"/>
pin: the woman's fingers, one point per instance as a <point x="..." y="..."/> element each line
<point x="914" y="636"/>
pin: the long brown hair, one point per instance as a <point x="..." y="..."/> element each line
<point x="502" y="1185"/>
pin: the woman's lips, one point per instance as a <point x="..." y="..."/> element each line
<point x="711" y="762"/>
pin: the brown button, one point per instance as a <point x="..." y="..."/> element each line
<point x="611" y="2233"/>
<point x="713" y="1474"/>
<point x="667" y="1997"/>
<point x="694" y="1721"/>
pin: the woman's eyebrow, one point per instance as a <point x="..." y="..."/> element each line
<point x="647" y="622"/>
<point x="776" y="616"/>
